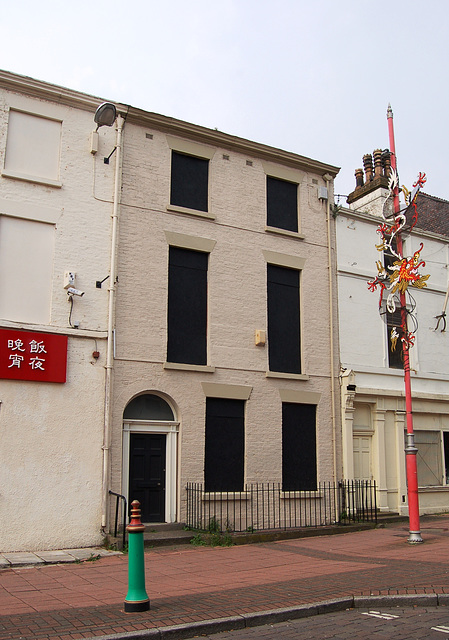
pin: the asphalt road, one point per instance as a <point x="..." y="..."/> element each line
<point x="399" y="624"/>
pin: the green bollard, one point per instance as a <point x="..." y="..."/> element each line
<point x="136" y="598"/>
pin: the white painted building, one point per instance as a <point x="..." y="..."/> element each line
<point x="373" y="403"/>
<point x="55" y="217"/>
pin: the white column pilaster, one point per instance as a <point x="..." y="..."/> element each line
<point x="347" y="423"/>
<point x="401" y="474"/>
<point x="379" y="458"/>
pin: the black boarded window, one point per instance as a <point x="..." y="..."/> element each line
<point x="394" y="320"/>
<point x="284" y="351"/>
<point x="189" y="181"/>
<point x="224" y="444"/>
<point x="187" y="306"/>
<point x="299" y="468"/>
<point x="395" y="349"/>
<point x="282" y="204"/>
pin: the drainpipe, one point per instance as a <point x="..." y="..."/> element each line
<point x="327" y="178"/>
<point x="110" y="338"/>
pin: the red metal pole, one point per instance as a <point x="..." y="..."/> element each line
<point x="410" y="449"/>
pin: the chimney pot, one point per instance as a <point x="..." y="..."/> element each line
<point x="378" y="171"/>
<point x="358" y="178"/>
<point x="386" y="162"/>
<point x="368" y="166"/>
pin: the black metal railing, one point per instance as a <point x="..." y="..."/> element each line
<point x="123" y="498"/>
<point x="265" y="506"/>
<point x="358" y="501"/>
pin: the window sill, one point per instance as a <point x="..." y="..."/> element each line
<point x="27" y="178"/>
<point x="302" y="494"/>
<point x="179" y="366"/>
<point x="215" y="496"/>
<point x="287" y="376"/>
<point x="285" y="232"/>
<point x="172" y="208"/>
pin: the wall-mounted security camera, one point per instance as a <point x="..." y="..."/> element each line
<point x="74" y="292"/>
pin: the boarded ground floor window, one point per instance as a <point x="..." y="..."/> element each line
<point x="299" y="466"/>
<point x="429" y="459"/>
<point x="224" y="444"/>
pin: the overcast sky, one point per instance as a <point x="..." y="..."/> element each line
<point x="314" y="77"/>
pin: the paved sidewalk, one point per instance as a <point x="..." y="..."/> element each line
<point x="190" y="585"/>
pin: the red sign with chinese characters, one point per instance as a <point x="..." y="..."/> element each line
<point x="25" y="355"/>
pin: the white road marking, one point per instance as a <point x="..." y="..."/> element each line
<point x="441" y="628"/>
<point x="378" y="614"/>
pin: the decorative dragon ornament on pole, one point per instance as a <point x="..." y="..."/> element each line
<point x="396" y="278"/>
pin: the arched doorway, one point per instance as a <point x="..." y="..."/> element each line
<point x="150" y="431"/>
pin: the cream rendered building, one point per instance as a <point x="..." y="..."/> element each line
<point x="217" y="374"/>
<point x="55" y="217"/>
<point x="372" y="380"/>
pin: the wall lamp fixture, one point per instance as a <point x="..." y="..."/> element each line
<point x="105" y="115"/>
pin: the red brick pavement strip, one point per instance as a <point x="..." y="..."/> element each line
<point x="198" y="584"/>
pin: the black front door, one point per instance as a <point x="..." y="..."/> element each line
<point x="147" y="474"/>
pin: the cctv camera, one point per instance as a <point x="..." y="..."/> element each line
<point x="74" y="292"/>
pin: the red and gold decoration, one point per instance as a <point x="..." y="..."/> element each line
<point x="396" y="272"/>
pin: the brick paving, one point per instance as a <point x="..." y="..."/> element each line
<point x="399" y="623"/>
<point x="192" y="584"/>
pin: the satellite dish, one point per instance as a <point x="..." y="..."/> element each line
<point x="105" y="115"/>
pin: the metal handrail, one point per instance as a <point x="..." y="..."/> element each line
<point x="119" y="496"/>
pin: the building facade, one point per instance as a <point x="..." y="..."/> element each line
<point x="372" y="380"/>
<point x="166" y="302"/>
<point x="224" y="354"/>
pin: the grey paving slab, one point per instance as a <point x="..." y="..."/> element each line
<point x="18" y="558"/>
<point x="90" y="552"/>
<point x="26" y="558"/>
<point x="52" y="557"/>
